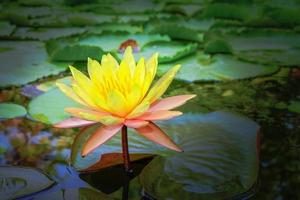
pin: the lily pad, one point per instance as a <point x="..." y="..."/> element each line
<point x="20" y="181"/>
<point x="109" y="42"/>
<point x="168" y="51"/>
<point x="267" y="47"/>
<point x="176" y="30"/>
<point x="220" y="159"/>
<point x="294" y="106"/>
<point x="110" y="153"/>
<point x="256" y="40"/>
<point x="11" y="110"/>
<point x="23" y="62"/>
<point x="136" y="6"/>
<point x="49" y="107"/>
<point x="6" y="28"/>
<point x="202" y="67"/>
<point x="115" y="27"/>
<point x="186" y="9"/>
<point x="46" y="33"/>
<point x="95" y="46"/>
<point x="287" y="57"/>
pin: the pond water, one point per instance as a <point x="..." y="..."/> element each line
<point x="240" y="135"/>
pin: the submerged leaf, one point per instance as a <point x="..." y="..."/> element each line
<point x="220" y="158"/>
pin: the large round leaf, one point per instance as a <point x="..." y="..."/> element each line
<point x="95" y="46"/>
<point x="23" y="62"/>
<point x="288" y="57"/>
<point x="167" y="51"/>
<point x="255" y="40"/>
<point x="11" y="110"/>
<point x="201" y="67"/>
<point x="46" y="33"/>
<point x="175" y="30"/>
<point x="20" y="181"/>
<point x="110" y="153"/>
<point x="49" y="107"/>
<point x="220" y="158"/>
<point x="267" y="47"/>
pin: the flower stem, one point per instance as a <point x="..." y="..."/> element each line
<point x="126" y="158"/>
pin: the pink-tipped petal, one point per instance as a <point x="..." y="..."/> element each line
<point x="170" y="102"/>
<point x="155" y="134"/>
<point x="73" y="122"/>
<point x="159" y="115"/>
<point x="132" y="123"/>
<point x="100" y="136"/>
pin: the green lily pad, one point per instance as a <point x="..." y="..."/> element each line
<point x="294" y="106"/>
<point x="186" y="9"/>
<point x="168" y="51"/>
<point x="49" y="107"/>
<point x="24" y="15"/>
<point x="220" y="159"/>
<point x="39" y="2"/>
<point x="6" y="28"/>
<point x="109" y="42"/>
<point x="46" y="33"/>
<point x="255" y="40"/>
<point x="138" y="148"/>
<point x="95" y="46"/>
<point x="115" y="27"/>
<point x="20" y="181"/>
<point x="11" y="110"/>
<point x="267" y="47"/>
<point x="287" y="57"/>
<point x="201" y="67"/>
<point x="176" y="30"/>
<point x="142" y="18"/>
<point x="23" y="62"/>
<point x="136" y="6"/>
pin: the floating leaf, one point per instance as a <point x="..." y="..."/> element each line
<point x="201" y="67"/>
<point x="115" y="27"/>
<point x="219" y="159"/>
<point x="187" y="9"/>
<point x="6" y="28"/>
<point x="133" y="18"/>
<point x="294" y="106"/>
<point x="168" y="51"/>
<point x="49" y="107"/>
<point x="46" y="33"/>
<point x="176" y="30"/>
<point x="109" y="42"/>
<point x="255" y="40"/>
<point x="267" y="47"/>
<point x="110" y="153"/>
<point x="287" y="57"/>
<point x="34" y="90"/>
<point x="11" y="110"/>
<point x="95" y="46"/>
<point x="17" y="182"/>
<point x="23" y="62"/>
<point x="136" y="6"/>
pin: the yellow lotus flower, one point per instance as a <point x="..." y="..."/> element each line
<point x="118" y="95"/>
